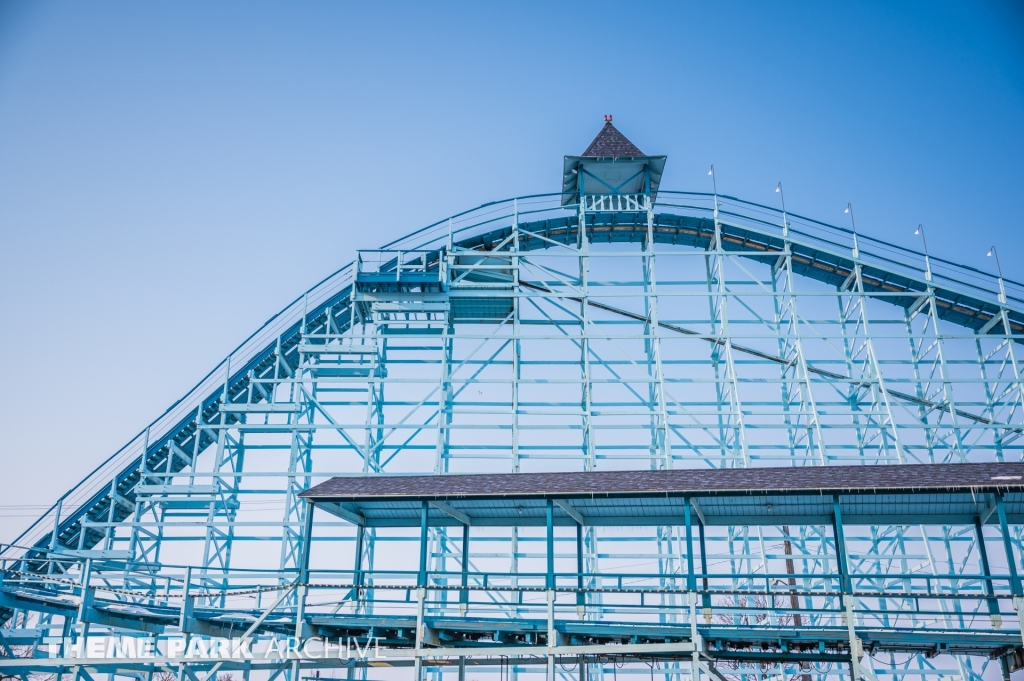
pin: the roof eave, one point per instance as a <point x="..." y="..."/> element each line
<point x="656" y="164"/>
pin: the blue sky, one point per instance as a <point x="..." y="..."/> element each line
<point x="172" y="174"/>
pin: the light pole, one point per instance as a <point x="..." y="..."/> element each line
<point x="1002" y="289"/>
<point x="856" y="250"/>
<point x="785" y="220"/>
<point x="927" y="260"/>
<point x="714" y="183"/>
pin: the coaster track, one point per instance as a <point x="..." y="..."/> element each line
<point x="763" y="338"/>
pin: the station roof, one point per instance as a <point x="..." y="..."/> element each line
<point x="884" y="495"/>
<point x="613" y="164"/>
<point x="610" y="143"/>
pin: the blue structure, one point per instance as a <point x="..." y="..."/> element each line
<point x="612" y="326"/>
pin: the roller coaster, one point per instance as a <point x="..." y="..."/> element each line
<point x="615" y="429"/>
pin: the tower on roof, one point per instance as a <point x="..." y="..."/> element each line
<point x="611" y="165"/>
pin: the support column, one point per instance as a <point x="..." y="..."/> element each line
<point x="517" y="344"/>
<point x="357" y="568"/>
<point x="695" y="639"/>
<point x="727" y="388"/>
<point x="586" y="397"/>
<point x="464" y="593"/>
<point x="993" y="604"/>
<point x="421" y="591"/>
<point x="691" y="579"/>
<point x="1011" y="560"/>
<point x="845" y="587"/>
<point x="303" y="588"/>
<point x="550" y="585"/>
<point x="187" y="604"/>
<point x="550" y="522"/>
<point x="691" y="592"/>
<point x="421" y="576"/>
<point x="307" y="543"/>
<point x="706" y="596"/>
<point x="581" y="598"/>
<point x="879" y="393"/>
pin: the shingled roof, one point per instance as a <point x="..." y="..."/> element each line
<point x="817" y="479"/>
<point x="610" y="143"/>
<point x="931" y="494"/>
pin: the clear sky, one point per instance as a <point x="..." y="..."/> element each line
<point x="172" y="174"/>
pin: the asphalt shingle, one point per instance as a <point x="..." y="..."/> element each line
<point x="610" y="143"/>
<point x="825" y="479"/>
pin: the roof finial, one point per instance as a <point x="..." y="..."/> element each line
<point x="607" y="118"/>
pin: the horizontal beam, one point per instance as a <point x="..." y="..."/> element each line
<point x="679" y="520"/>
